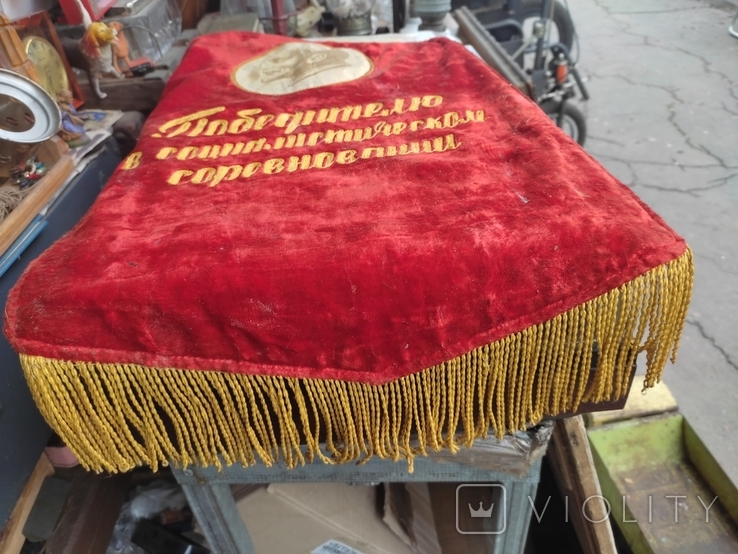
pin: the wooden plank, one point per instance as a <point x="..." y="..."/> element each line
<point x="656" y="400"/>
<point x="573" y="466"/>
<point x="12" y="46"/>
<point x="47" y="509"/>
<point x="92" y="509"/>
<point x="13" y="225"/>
<point x="711" y="472"/>
<point x="12" y="538"/>
<point x="139" y="94"/>
<point x="192" y="12"/>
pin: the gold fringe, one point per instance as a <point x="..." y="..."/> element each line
<point x="115" y="417"/>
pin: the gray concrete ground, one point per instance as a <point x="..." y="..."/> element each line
<point x="663" y="118"/>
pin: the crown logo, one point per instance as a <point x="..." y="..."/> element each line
<point x="481" y="512"/>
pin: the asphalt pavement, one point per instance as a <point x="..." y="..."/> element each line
<point x="663" y="118"/>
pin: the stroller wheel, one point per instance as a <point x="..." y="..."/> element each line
<point x="571" y="120"/>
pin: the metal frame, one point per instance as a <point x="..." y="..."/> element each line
<point x="208" y="492"/>
<point x="491" y="51"/>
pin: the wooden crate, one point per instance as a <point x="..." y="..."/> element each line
<point x="660" y="480"/>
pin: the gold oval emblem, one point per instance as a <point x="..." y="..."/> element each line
<point x="297" y="66"/>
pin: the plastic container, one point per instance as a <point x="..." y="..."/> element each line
<point x="263" y="8"/>
<point x="152" y="29"/>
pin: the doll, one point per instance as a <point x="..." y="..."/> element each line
<point x="72" y="130"/>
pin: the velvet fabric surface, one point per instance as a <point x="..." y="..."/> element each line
<point x="319" y="220"/>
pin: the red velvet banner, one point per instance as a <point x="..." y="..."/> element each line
<point x="359" y="212"/>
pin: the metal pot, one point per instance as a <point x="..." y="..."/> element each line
<point x="355" y="25"/>
<point x="28" y="117"/>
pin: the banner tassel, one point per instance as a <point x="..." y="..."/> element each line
<point x="116" y="417"/>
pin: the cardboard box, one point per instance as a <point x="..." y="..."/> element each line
<point x="303" y="518"/>
<point x="409" y="513"/>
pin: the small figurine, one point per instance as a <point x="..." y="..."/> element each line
<point x="95" y="51"/>
<point x="121" y="49"/>
<point x="122" y="52"/>
<point x="72" y="130"/>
